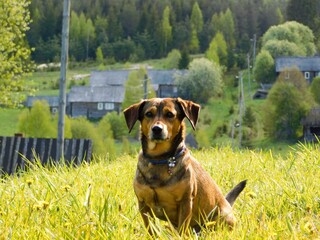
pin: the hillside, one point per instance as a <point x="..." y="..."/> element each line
<point x="96" y="201"/>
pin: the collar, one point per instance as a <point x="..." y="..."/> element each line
<point x="170" y="161"/>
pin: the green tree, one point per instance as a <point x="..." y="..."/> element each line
<point x="204" y="80"/>
<point x="99" y="55"/>
<point x="173" y="59"/>
<point x="290" y="38"/>
<point x="217" y="51"/>
<point x="303" y="11"/>
<point x="15" y="53"/>
<point x="287" y="103"/>
<point x="194" y="42"/>
<point x="196" y="18"/>
<point x="184" y="60"/>
<point x="264" y="68"/>
<point x="315" y="89"/>
<point x="37" y="122"/>
<point x="166" y="29"/>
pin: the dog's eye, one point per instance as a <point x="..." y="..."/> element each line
<point x="170" y="115"/>
<point x="149" y="114"/>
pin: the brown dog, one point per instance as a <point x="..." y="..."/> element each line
<point x="169" y="183"/>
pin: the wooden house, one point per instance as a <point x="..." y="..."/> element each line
<point x="311" y="125"/>
<point x="162" y="81"/>
<point x="309" y="66"/>
<point x="94" y="102"/>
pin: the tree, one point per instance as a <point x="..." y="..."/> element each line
<point x="99" y="55"/>
<point x="204" y="80"/>
<point x="173" y="59"/>
<point x="264" y="68"/>
<point x="290" y="38"/>
<point x="315" y="89"/>
<point x="166" y="29"/>
<point x="218" y="50"/>
<point x="196" y="18"/>
<point x="303" y="11"/>
<point x="184" y="60"/>
<point x="15" y="53"/>
<point x="287" y="103"/>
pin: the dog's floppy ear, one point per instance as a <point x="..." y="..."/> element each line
<point x="191" y="111"/>
<point x="132" y="113"/>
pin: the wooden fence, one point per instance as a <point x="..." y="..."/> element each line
<point x="15" y="152"/>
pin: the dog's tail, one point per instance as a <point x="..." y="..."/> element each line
<point x="234" y="193"/>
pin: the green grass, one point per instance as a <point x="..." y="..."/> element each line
<point x="9" y="121"/>
<point x="281" y="200"/>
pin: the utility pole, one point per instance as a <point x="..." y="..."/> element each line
<point x="249" y="69"/>
<point x="241" y="108"/>
<point x="254" y="50"/>
<point x="145" y="86"/>
<point x="63" y="77"/>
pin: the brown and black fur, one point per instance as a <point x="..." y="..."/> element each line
<point x="183" y="193"/>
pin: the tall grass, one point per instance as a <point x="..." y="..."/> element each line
<point x="96" y="201"/>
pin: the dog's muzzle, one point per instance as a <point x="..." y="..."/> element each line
<point x="158" y="132"/>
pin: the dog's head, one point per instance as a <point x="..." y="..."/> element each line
<point x="161" y="119"/>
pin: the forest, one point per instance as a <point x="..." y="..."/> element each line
<point x="135" y="30"/>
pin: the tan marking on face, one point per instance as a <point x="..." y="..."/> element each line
<point x="162" y="114"/>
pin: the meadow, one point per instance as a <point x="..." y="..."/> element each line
<point x="96" y="200"/>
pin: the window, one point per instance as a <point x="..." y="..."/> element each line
<point x="100" y="106"/>
<point x="307" y="75"/>
<point x="109" y="106"/>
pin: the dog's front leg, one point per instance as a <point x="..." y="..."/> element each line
<point x="185" y="215"/>
<point x="145" y="212"/>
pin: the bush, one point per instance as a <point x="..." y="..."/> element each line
<point x="82" y="128"/>
<point x="315" y="89"/>
<point x="173" y="59"/>
<point x="37" y="122"/>
<point x="204" y="80"/>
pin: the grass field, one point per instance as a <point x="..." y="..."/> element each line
<point x="96" y="201"/>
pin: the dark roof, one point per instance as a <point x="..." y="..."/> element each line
<point x="109" y="77"/>
<point x="303" y="63"/>
<point x="53" y="101"/>
<point x="119" y="77"/>
<point x="113" y="94"/>
<point x="313" y="118"/>
<point x="164" y="76"/>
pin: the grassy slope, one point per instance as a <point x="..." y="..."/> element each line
<point x="281" y="200"/>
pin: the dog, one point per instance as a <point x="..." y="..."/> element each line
<point x="169" y="183"/>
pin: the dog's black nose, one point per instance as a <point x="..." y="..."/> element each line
<point x="157" y="129"/>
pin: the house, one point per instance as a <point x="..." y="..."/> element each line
<point x="311" y="125"/>
<point x="94" y="101"/>
<point x="53" y="102"/>
<point x="106" y="92"/>
<point x="109" y="77"/>
<point x="162" y="81"/>
<point x="309" y="66"/>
